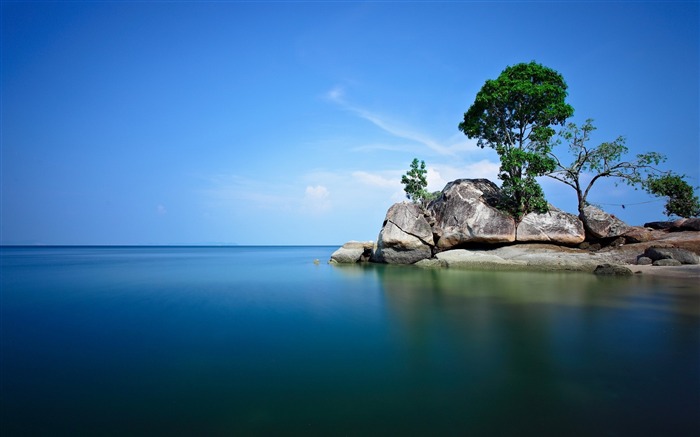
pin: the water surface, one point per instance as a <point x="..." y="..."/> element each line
<point x="260" y="340"/>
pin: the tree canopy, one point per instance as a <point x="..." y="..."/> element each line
<point x="515" y="114"/>
<point x="607" y="161"/>
<point x="681" y="201"/>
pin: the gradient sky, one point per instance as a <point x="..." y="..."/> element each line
<point x="292" y="122"/>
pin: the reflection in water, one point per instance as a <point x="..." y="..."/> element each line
<point x="262" y="341"/>
<point x="566" y="353"/>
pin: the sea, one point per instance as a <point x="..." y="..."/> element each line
<point x="236" y="341"/>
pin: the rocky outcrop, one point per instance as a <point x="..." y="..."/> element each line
<point x="465" y="213"/>
<point x="541" y="257"/>
<point x="555" y="226"/>
<point x="464" y="228"/>
<point x="603" y="225"/>
<point x="406" y="236"/>
<point x="353" y="252"/>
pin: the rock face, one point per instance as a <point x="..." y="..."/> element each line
<point x="555" y="226"/>
<point x="406" y="236"/>
<point x="637" y="234"/>
<point x="465" y="213"/>
<point x="603" y="225"/>
<point x="353" y="252"/>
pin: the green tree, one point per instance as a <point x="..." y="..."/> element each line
<point x="681" y="201"/>
<point x="415" y="183"/>
<point x="602" y="161"/>
<point x="515" y="114"/>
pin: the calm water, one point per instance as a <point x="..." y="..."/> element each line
<point x="261" y="341"/>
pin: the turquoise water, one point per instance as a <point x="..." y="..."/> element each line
<point x="262" y="341"/>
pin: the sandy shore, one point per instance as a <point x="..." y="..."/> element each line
<point x="684" y="271"/>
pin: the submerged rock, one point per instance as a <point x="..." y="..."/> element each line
<point x="612" y="270"/>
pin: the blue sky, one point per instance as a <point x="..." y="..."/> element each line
<point x="292" y="122"/>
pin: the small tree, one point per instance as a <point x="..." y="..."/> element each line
<point x="514" y="115"/>
<point x="415" y="183"/>
<point x="681" y="201"/>
<point x="603" y="161"/>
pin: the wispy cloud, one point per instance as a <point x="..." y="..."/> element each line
<point x="337" y="96"/>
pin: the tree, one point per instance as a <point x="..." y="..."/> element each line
<point x="681" y="200"/>
<point x="514" y="115"/>
<point x="603" y="161"/>
<point x="415" y="183"/>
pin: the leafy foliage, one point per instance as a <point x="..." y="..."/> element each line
<point x="514" y="115"/>
<point x="415" y="183"/>
<point x="681" y="200"/>
<point x="603" y="161"/>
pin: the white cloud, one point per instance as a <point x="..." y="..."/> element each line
<point x="161" y="210"/>
<point x="316" y="199"/>
<point x="391" y="181"/>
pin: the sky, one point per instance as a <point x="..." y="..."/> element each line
<point x="291" y="123"/>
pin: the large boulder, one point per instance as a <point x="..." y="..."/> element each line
<point x="353" y="252"/>
<point x="406" y="236"/>
<point x="603" y="225"/>
<point x="681" y="255"/>
<point x="555" y="226"/>
<point x="465" y="213"/>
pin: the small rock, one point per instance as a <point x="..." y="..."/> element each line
<point x="666" y="262"/>
<point x="353" y="252"/>
<point x="617" y="242"/>
<point x="644" y="261"/>
<point x="431" y="263"/>
<point x="612" y="270"/>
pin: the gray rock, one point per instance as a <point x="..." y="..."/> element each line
<point x="691" y="224"/>
<point x="353" y="252"/>
<point x="465" y="213"/>
<point x="659" y="225"/>
<point x="406" y="236"/>
<point x="555" y="226"/>
<point x="667" y="262"/>
<point x="644" y="261"/>
<point x="603" y="225"/>
<point x="681" y="255"/>
<point x="540" y="257"/>
<point x="612" y="270"/>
